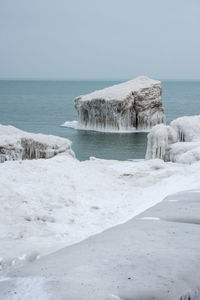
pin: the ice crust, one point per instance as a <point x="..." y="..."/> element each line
<point x="178" y="142"/>
<point x="141" y="259"/>
<point x="16" y="144"/>
<point x="129" y="106"/>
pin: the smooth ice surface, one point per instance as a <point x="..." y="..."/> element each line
<point x="141" y="259"/>
<point x="178" y="142"/>
<point x="129" y="106"/>
<point x="16" y="144"/>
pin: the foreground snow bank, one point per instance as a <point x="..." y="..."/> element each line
<point x="156" y="255"/>
<point x="48" y="204"/>
<point x="178" y="142"/>
<point x="16" y="144"/>
<point x="129" y="106"/>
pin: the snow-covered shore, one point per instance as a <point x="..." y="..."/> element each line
<point x="49" y="204"/>
<point x="153" y="256"/>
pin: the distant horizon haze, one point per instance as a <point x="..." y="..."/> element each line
<point x="94" y="79"/>
<point x="99" y="40"/>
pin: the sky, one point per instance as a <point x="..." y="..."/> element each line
<point x="100" y="39"/>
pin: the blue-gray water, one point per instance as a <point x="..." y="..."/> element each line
<point x="41" y="106"/>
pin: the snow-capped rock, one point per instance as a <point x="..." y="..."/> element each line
<point x="129" y="106"/>
<point x="178" y="142"/>
<point x="16" y="144"/>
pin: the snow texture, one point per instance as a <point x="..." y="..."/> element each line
<point x="49" y="204"/>
<point x="16" y="144"/>
<point x="178" y="142"/>
<point x="129" y="106"/>
<point x="141" y="259"/>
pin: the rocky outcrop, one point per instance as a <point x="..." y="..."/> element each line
<point x="16" y="144"/>
<point x="129" y="106"/>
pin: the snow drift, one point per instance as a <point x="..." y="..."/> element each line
<point x="129" y="106"/>
<point x="178" y="142"/>
<point x="16" y="144"/>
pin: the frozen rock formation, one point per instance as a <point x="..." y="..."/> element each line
<point x="178" y="142"/>
<point x="16" y="144"/>
<point x="129" y="106"/>
<point x="155" y="255"/>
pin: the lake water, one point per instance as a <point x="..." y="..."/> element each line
<point x="42" y="106"/>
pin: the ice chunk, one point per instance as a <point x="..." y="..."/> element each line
<point x="129" y="106"/>
<point x="178" y="142"/>
<point x="16" y="144"/>
<point x="159" y="139"/>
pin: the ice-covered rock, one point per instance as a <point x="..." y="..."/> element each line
<point x="129" y="106"/>
<point x="178" y="142"/>
<point x="16" y="144"/>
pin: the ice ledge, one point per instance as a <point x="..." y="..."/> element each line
<point x="153" y="256"/>
<point x="16" y="144"/>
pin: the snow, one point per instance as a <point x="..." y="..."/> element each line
<point x="141" y="259"/>
<point x="49" y="204"/>
<point x="130" y="106"/>
<point x="120" y="91"/>
<point x="28" y="289"/>
<point x="16" y="144"/>
<point x="178" y="142"/>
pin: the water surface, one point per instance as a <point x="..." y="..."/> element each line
<point x="41" y="106"/>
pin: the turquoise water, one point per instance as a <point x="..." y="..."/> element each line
<point x="41" y="106"/>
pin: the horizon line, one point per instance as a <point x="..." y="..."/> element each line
<point x="86" y="79"/>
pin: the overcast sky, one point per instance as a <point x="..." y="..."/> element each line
<point x="106" y="39"/>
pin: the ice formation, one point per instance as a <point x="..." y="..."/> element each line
<point x="16" y="144"/>
<point x="178" y="142"/>
<point x="129" y="106"/>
